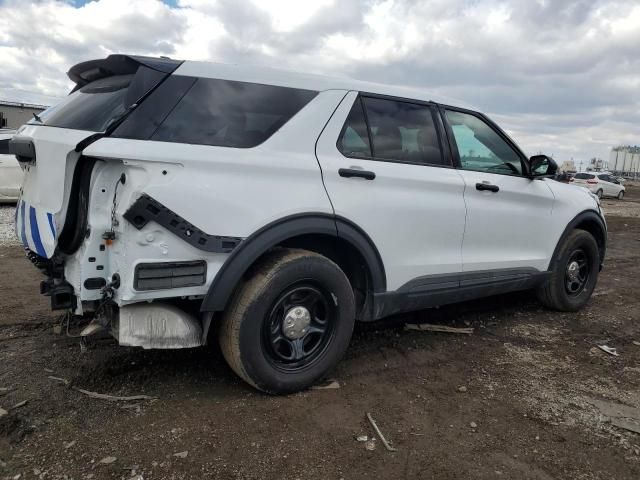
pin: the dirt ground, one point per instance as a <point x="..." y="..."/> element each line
<point x="528" y="395"/>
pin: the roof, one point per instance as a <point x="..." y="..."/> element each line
<point x="286" y="78"/>
<point x="23" y="105"/>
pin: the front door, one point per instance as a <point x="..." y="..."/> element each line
<point x="384" y="169"/>
<point x="508" y="214"/>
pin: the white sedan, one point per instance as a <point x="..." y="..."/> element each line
<point x="10" y="171"/>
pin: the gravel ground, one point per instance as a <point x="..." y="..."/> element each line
<point x="7" y="235"/>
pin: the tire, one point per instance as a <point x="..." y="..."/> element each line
<point x="599" y="193"/>
<point x="567" y="290"/>
<point x="254" y="338"/>
<point x="621" y="195"/>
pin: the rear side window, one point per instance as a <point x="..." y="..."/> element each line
<point x="231" y="114"/>
<point x="399" y="131"/>
<point x="354" y="139"/>
<point x="584" y="176"/>
<point x="604" y="177"/>
<point x="97" y="104"/>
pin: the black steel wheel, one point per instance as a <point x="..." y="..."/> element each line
<point x="577" y="272"/>
<point x="299" y="326"/>
<point x="289" y="323"/>
<point x="574" y="273"/>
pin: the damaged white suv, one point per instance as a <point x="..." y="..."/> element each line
<point x="168" y="196"/>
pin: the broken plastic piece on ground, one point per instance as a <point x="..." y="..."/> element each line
<point x="426" y="327"/>
<point x="609" y="350"/>
<point x="362" y="438"/>
<point x="327" y="385"/>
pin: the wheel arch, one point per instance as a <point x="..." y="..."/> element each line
<point x="591" y="222"/>
<point x="335" y="237"/>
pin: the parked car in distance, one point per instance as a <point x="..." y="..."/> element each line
<point x="282" y="207"/>
<point x="602" y="184"/>
<point x="10" y="172"/>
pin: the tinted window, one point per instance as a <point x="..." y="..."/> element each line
<point x="584" y="176"/>
<point x="604" y="177"/>
<point x="354" y="139"/>
<point x="94" y="106"/>
<point x="402" y="131"/>
<point x="480" y="147"/>
<point x="231" y="114"/>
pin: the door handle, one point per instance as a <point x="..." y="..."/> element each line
<point x="488" y="187"/>
<point x="354" y="172"/>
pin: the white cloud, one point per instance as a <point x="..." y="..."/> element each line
<point x="562" y="76"/>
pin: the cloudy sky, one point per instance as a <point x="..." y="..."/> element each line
<point x="562" y="76"/>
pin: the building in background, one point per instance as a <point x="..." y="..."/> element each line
<point x="568" y="166"/>
<point x="15" y="114"/>
<point x="625" y="161"/>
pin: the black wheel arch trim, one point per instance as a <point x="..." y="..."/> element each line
<point x="590" y="216"/>
<point x="276" y="232"/>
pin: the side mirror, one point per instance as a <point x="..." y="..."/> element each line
<point x="542" y="166"/>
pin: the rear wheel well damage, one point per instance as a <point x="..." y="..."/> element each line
<point x="337" y="239"/>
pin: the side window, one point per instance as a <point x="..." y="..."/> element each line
<point x="231" y="114"/>
<point x="403" y="131"/>
<point x="604" y="177"/>
<point x="354" y="139"/>
<point x="480" y="147"/>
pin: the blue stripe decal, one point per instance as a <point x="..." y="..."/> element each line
<point x="23" y="223"/>
<point x="35" y="233"/>
<point x="53" y="229"/>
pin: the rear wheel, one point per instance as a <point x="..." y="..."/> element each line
<point x="599" y="193"/>
<point x="621" y="195"/>
<point x="290" y="323"/>
<point x="574" y="273"/>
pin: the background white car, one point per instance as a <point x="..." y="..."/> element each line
<point x="10" y="171"/>
<point x="602" y="184"/>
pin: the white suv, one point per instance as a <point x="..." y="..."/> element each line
<point x="170" y="196"/>
<point x="602" y="184"/>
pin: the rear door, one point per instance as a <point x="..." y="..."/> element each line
<point x="507" y="213"/>
<point x="384" y="169"/>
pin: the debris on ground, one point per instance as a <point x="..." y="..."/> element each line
<point x="181" y="454"/>
<point x="58" y="379"/>
<point x="19" y="404"/>
<point x="107" y="460"/>
<point x="636" y="343"/>
<point x="328" y="385"/>
<point x="68" y="445"/>
<point x="362" y="438"/>
<point x="462" y="389"/>
<point x="473" y="425"/>
<point x="427" y="327"/>
<point x="626" y="424"/>
<point x="370" y="444"/>
<point x="113" y="398"/>
<point x="377" y="430"/>
<point x="609" y="350"/>
<point x="3" y="412"/>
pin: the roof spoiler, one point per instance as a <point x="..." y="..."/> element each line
<point x="86" y="72"/>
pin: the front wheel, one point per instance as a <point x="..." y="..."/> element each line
<point x="290" y="323"/>
<point x="599" y="193"/>
<point x="621" y="195"/>
<point x="574" y="273"/>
